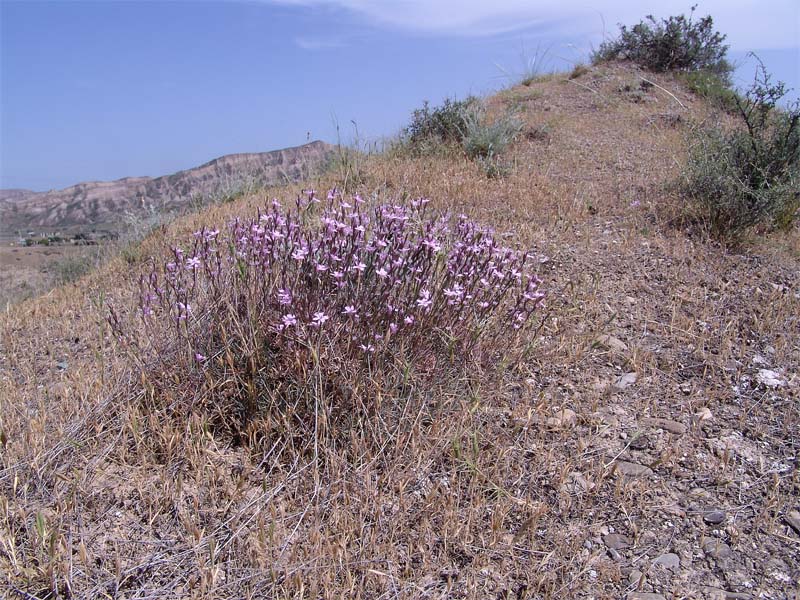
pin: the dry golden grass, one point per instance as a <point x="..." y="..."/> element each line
<point x="497" y="483"/>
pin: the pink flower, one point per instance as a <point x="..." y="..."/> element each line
<point x="424" y="300"/>
<point x="349" y="310"/>
<point x="289" y="320"/>
<point x="192" y="263"/>
<point x="382" y="273"/>
<point x="455" y="292"/>
<point x="199" y="357"/>
<point x="284" y="297"/>
<point x="319" y="319"/>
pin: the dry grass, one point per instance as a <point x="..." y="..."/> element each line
<point x="497" y="482"/>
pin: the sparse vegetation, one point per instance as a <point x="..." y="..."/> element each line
<point x="431" y="129"/>
<point x="713" y="88"/>
<point x="578" y="70"/>
<point x="635" y="438"/>
<point x="677" y="43"/>
<point x="463" y="125"/>
<point x="485" y="139"/>
<point x="298" y="310"/>
<point x="750" y="175"/>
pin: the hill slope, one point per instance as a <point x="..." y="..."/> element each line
<point x="104" y="202"/>
<point x="645" y="448"/>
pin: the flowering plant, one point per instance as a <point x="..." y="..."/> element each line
<point x="326" y="283"/>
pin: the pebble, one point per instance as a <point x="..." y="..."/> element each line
<point x="770" y="379"/>
<point x="629" y="469"/>
<point x="636" y="578"/>
<point x="625" y="381"/>
<point x="563" y="418"/>
<point x="668" y="561"/>
<point x="717" y="549"/>
<point x="645" y="596"/>
<point x="612" y="343"/>
<point x="793" y="520"/>
<point x="616" y="541"/>
<point x="704" y="414"/>
<point x="665" y="424"/>
<point x="715" y="517"/>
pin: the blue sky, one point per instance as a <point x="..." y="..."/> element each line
<point x="102" y="90"/>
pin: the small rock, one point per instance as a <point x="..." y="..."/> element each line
<point x="611" y="343"/>
<point x="62" y="365"/>
<point x="793" y="520"/>
<point x="717" y="549"/>
<point x="668" y="561"/>
<point x="616" y="541"/>
<point x="665" y="424"/>
<point x="563" y="418"/>
<point x="714" y="517"/>
<point x="644" y="596"/>
<point x="717" y="594"/>
<point x="614" y="554"/>
<point x="639" y="442"/>
<point x="625" y="381"/>
<point x="636" y="578"/>
<point x="704" y="414"/>
<point x="770" y="379"/>
<point x="629" y="469"/>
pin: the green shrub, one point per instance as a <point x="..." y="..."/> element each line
<point x="431" y="128"/>
<point x="749" y="176"/>
<point x="483" y="139"/>
<point x="673" y="44"/>
<point x="713" y="88"/>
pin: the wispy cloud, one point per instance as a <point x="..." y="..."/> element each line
<point x="318" y="43"/>
<point x="748" y="23"/>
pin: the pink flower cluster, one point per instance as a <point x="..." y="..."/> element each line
<point x="327" y="271"/>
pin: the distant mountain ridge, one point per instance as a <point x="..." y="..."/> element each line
<point x="104" y="203"/>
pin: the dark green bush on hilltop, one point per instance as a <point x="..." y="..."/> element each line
<point x="750" y="175"/>
<point x="431" y="128"/>
<point x="672" y="44"/>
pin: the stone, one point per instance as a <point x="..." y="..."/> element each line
<point x="563" y="418"/>
<point x="611" y="343"/>
<point x="717" y="549"/>
<point x="668" y="561"/>
<point x="639" y="442"/>
<point x="793" y="520"/>
<point x="636" y="578"/>
<point x="704" y="414"/>
<point x="644" y="596"/>
<point x="625" y="381"/>
<point x="616" y="541"/>
<point x="770" y="379"/>
<point x="665" y="424"/>
<point x="714" y="517"/>
<point x="629" y="469"/>
<point x="717" y="594"/>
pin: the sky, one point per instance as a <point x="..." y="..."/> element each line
<point x="103" y="90"/>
